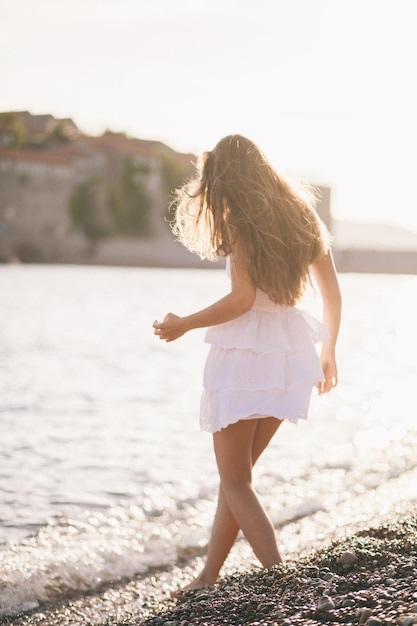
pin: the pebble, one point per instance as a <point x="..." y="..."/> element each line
<point x="325" y="603"/>
<point x="363" y="615"/>
<point x="313" y="572"/>
<point x="348" y="558"/>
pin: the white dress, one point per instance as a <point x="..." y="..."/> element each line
<point x="263" y="363"/>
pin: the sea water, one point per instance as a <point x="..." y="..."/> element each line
<point x="103" y="470"/>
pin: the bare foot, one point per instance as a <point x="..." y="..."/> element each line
<point x="194" y="585"/>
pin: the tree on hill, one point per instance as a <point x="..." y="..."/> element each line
<point x="14" y="128"/>
<point x="129" y="201"/>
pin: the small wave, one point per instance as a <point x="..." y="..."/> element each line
<point x="79" y="554"/>
<point x="71" y="555"/>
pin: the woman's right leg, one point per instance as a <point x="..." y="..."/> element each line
<point x="233" y="448"/>
<point x="225" y="528"/>
<point x="223" y="535"/>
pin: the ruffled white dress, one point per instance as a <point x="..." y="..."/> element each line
<point x="263" y="363"/>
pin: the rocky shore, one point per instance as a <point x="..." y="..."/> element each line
<point x="368" y="577"/>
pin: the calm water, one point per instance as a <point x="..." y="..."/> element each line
<point x="103" y="470"/>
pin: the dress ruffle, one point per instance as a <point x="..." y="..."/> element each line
<point x="261" y="330"/>
<point x="262" y="363"/>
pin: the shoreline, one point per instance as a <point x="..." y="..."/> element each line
<point x="368" y="577"/>
<point x="373" y="531"/>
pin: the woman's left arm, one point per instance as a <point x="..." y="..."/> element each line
<point x="325" y="275"/>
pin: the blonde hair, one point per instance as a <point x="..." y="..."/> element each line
<point x="237" y="196"/>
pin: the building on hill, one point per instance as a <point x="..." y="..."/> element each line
<point x="60" y="192"/>
<point x="35" y="187"/>
<point x="21" y="128"/>
<point x="7" y="135"/>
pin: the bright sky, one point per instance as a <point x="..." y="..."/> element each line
<point x="325" y="87"/>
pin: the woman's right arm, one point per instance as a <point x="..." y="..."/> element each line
<point x="324" y="273"/>
<point x="236" y="303"/>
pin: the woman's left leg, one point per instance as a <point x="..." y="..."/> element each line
<point x="233" y="447"/>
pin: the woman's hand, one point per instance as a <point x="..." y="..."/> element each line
<point x="171" y="328"/>
<point x="329" y="367"/>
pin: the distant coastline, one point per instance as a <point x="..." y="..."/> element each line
<point x="357" y="248"/>
<point x="374" y="248"/>
<point x="362" y="248"/>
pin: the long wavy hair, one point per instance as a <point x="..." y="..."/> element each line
<point x="238" y="197"/>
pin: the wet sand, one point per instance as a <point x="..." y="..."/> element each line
<point x="357" y="565"/>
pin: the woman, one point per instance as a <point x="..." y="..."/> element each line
<point x="262" y="363"/>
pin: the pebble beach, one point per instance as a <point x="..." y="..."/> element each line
<point x="368" y="578"/>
